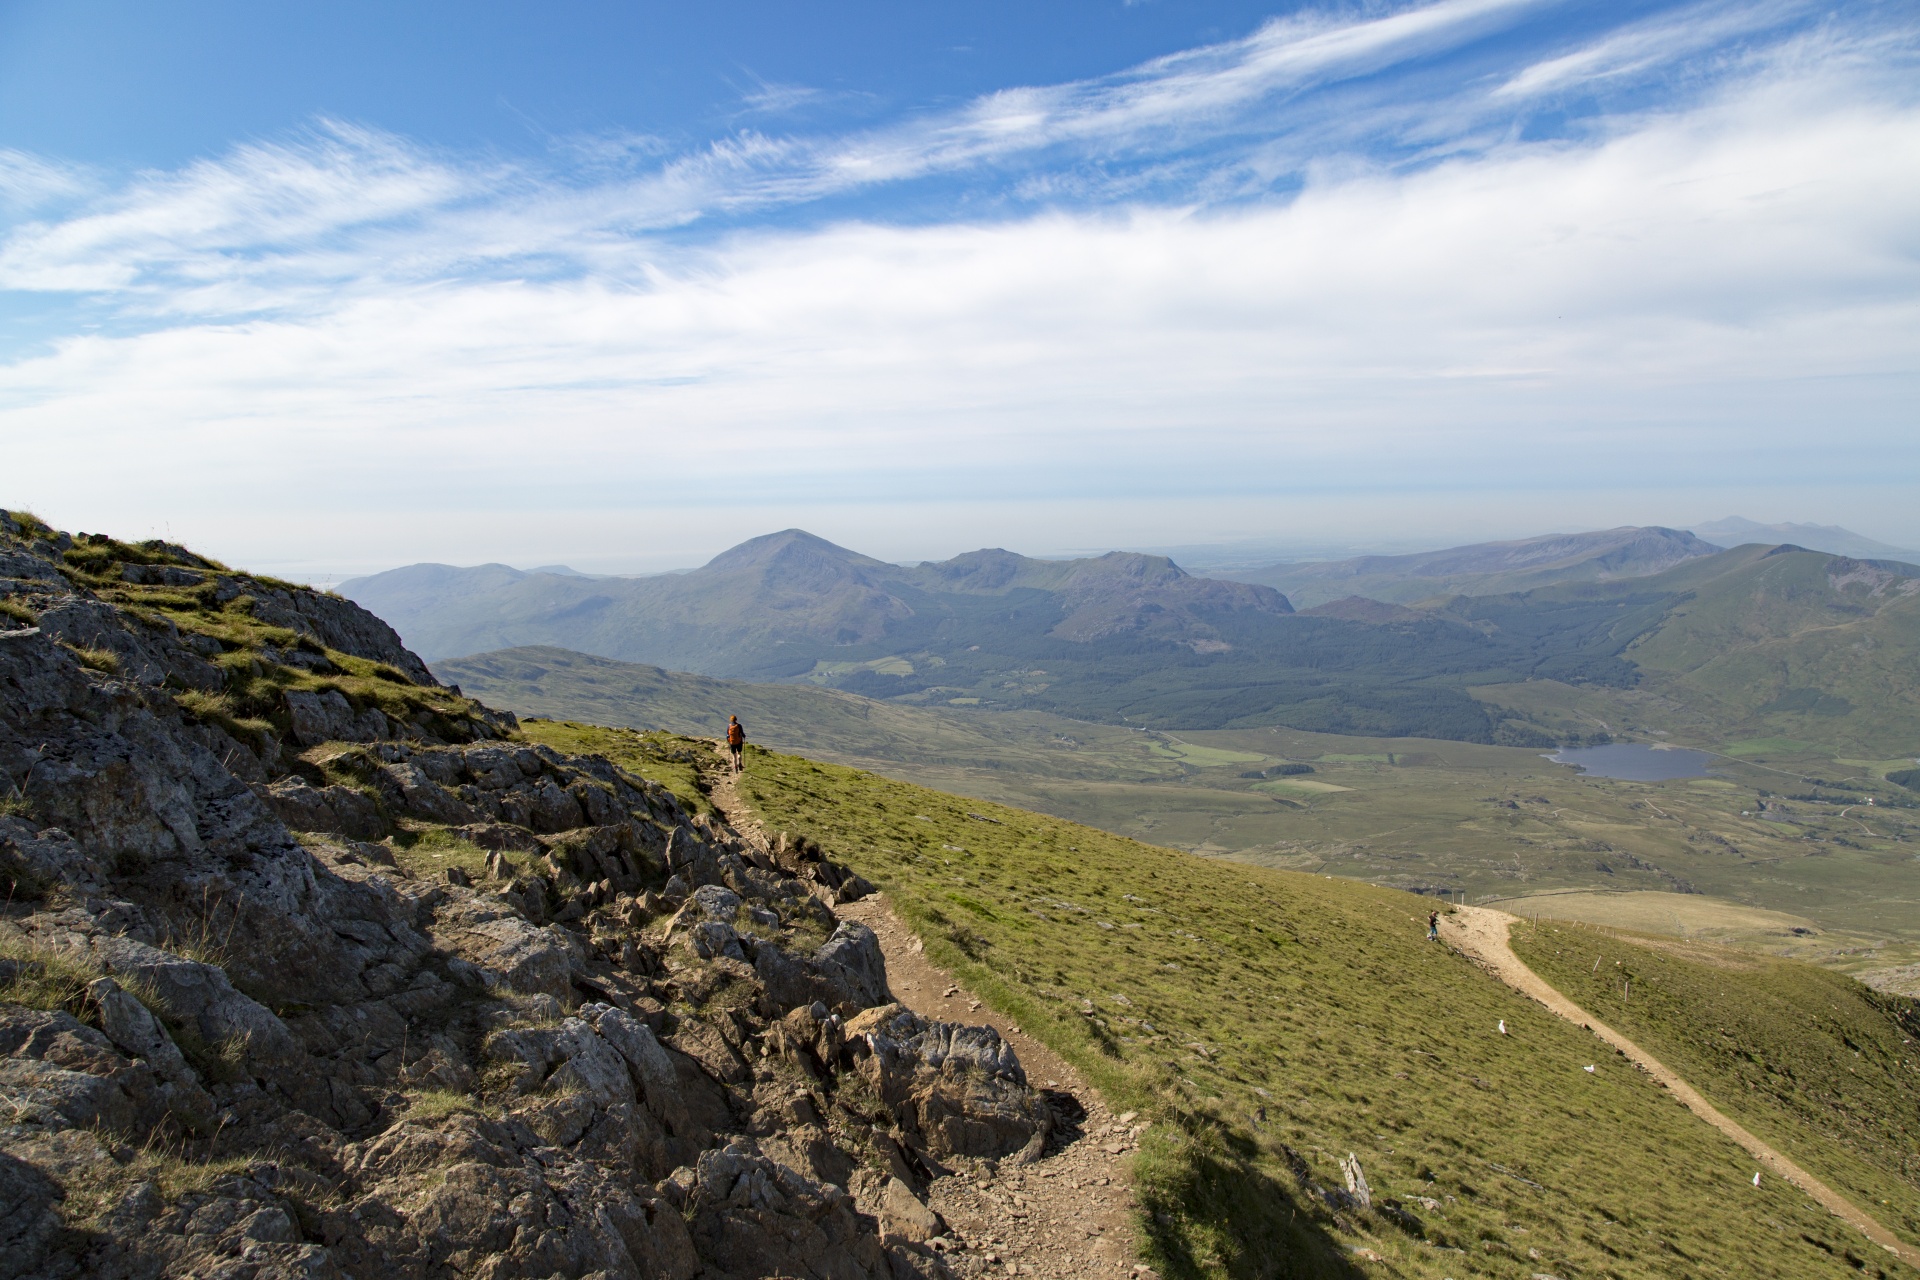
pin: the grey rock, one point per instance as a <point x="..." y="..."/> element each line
<point x="28" y="1219"/>
<point x="331" y="810"/>
<point x="904" y="1214"/>
<point x="590" y="1065"/>
<point x="14" y="564"/>
<point x="339" y="624"/>
<point x="853" y="966"/>
<point x="136" y="1032"/>
<point x="327" y="716"/>
<point x="717" y="902"/>
<point x="52" y="856"/>
<point x="713" y="938"/>
<point x="148" y="653"/>
<point x="200" y="996"/>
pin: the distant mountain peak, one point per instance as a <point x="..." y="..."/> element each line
<point x="790" y="546"/>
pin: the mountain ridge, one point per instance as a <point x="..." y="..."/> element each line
<point x="1487" y="568"/>
<point x="792" y="587"/>
<point x="1831" y="538"/>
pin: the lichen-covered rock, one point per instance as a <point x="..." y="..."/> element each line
<point x="331" y="810"/>
<point x="855" y="970"/>
<point x="328" y="717"/>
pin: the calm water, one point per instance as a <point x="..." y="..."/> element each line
<point x="1635" y="761"/>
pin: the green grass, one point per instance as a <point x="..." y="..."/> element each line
<point x="673" y="761"/>
<point x="1253" y="1012"/>
<point x="1814" y="1063"/>
<point x="1770" y="747"/>
<point x="41" y="978"/>
<point x="428" y="851"/>
<point x="1477" y="821"/>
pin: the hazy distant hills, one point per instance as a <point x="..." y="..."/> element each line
<point x="1755" y="640"/>
<point x="1831" y="538"/>
<point x="1486" y="568"/>
<point x="773" y="606"/>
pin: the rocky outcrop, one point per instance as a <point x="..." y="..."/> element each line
<point x="617" y="1040"/>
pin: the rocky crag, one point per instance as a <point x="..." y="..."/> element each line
<point x="311" y="967"/>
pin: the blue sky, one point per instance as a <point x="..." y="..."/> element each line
<point x="336" y="287"/>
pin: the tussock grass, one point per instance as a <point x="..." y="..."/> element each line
<point x="1274" y="1022"/>
<point x="1815" y="1063"/>
<point x="104" y="660"/>
<point x="427" y="1105"/>
<point x="94" y="1187"/>
<point x="39" y="977"/>
<point x="428" y="851"/>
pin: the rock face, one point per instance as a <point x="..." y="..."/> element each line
<point x="633" y="1045"/>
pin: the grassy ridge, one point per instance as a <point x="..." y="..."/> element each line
<point x="1267" y="1018"/>
<point x="1815" y="1063"/>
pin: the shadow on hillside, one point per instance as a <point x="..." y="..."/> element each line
<point x="1254" y="1225"/>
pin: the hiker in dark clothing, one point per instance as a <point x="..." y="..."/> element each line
<point x="1433" y="926"/>
<point x="736" y="742"/>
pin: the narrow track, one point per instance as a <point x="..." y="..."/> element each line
<point x="1069" y="1214"/>
<point x="1481" y="933"/>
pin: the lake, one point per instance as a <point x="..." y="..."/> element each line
<point x="1635" y="761"/>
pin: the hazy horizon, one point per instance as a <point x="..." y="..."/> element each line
<point x="323" y="291"/>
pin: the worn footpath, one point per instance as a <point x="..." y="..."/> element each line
<point x="1482" y="934"/>
<point x="1068" y="1213"/>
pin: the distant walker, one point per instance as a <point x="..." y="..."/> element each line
<point x="736" y="742"/>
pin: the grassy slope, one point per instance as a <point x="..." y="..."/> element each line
<point x="1250" y="1011"/>
<point x="1785" y="653"/>
<point x="1815" y="1063"/>
<point x="1416" y="813"/>
<point x="1760" y="644"/>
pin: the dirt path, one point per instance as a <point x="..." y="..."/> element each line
<point x="1482" y="934"/>
<point x="1070" y="1213"/>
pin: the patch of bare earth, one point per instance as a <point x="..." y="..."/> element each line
<point x="1069" y="1213"/>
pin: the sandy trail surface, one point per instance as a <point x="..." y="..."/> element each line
<point x="1068" y="1214"/>
<point x="1481" y="933"/>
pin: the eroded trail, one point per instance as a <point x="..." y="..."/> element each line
<point x="1482" y="934"/>
<point x="1068" y="1214"/>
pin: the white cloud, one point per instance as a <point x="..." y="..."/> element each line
<point x="358" y="339"/>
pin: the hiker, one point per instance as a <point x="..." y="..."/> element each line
<point x="1433" y="926"/>
<point x="736" y="742"/>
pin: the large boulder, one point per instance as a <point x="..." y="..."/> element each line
<point x="330" y="810"/>
<point x="853" y="967"/>
<point x="960" y="1090"/>
<point x="327" y="716"/>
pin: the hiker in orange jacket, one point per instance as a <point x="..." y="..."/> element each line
<point x="736" y="742"/>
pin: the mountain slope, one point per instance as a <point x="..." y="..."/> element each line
<point x="1754" y="642"/>
<point x="1277" y="1025"/>
<point x="309" y="968"/>
<point x="1486" y="568"/>
<point x="1848" y="1113"/>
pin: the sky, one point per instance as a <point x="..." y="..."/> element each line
<point x="325" y="289"/>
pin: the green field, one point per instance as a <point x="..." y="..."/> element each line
<point x="1272" y="1023"/>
